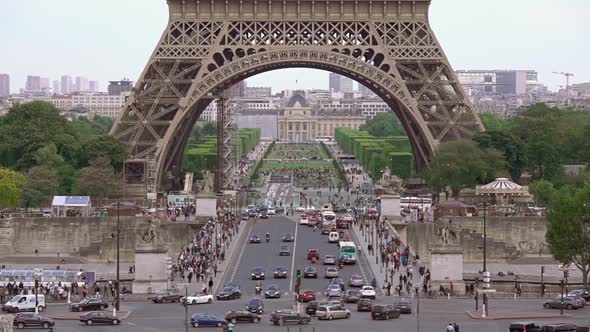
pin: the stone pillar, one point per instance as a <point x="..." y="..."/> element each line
<point x="446" y="266"/>
<point x="150" y="269"/>
<point x="206" y="205"/>
<point x="390" y="207"/>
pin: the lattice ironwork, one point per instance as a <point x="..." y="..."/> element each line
<point x="210" y="45"/>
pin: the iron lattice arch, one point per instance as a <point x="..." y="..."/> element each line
<point x="210" y="45"/>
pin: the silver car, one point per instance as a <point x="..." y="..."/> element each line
<point x="329" y="260"/>
<point x="333" y="289"/>
<point x="332" y="312"/>
<point x="356" y="280"/>
<point x="331" y="272"/>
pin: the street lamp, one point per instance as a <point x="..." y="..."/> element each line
<point x="486" y="274"/>
<point x="36" y="275"/>
<point x="117" y="302"/>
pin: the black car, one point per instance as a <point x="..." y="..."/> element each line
<point x="235" y="316"/>
<point x="279" y="210"/>
<point x="272" y="291"/>
<point x="404" y="306"/>
<point x="285" y="250"/>
<point x="340" y="209"/>
<point x="282" y="317"/>
<point x="280" y="272"/>
<point x="99" y="317"/>
<point x="89" y="305"/>
<point x="288" y="237"/>
<point x="563" y="327"/>
<point x="255" y="238"/>
<point x="364" y="304"/>
<point x="229" y="293"/>
<point x="258" y="273"/>
<point x="583" y="293"/>
<point x="263" y="214"/>
<point x="22" y="320"/>
<point x="352" y="296"/>
<point x="245" y="215"/>
<point x="312" y="306"/>
<point x="524" y="327"/>
<point x="167" y="296"/>
<point x="384" y="311"/>
<point x="310" y="272"/>
<point x="339" y="281"/>
<point x="255" y="306"/>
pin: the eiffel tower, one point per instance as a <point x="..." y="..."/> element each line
<point x="209" y="45"/>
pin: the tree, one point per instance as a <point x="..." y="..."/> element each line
<point x="463" y="164"/>
<point x="48" y="156"/>
<point x="104" y="146"/>
<point x="11" y="187"/>
<point x="98" y="179"/>
<point x="384" y="124"/>
<point x="509" y="145"/>
<point x="568" y="231"/>
<point x="209" y="129"/>
<point x="542" y="190"/>
<point x="41" y="184"/>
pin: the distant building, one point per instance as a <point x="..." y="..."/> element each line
<point x="368" y="107"/>
<point x="55" y="87"/>
<point x="299" y="122"/>
<point x="97" y="103"/>
<point x="365" y="92"/>
<point x="66" y="85"/>
<point x="257" y="92"/>
<point x="210" y="113"/>
<point x="33" y="83"/>
<point x="116" y="88"/>
<point x="339" y="83"/>
<point x="44" y="83"/>
<point x="81" y="84"/>
<point x="502" y="82"/>
<point x="258" y="105"/>
<point x="4" y="85"/>
<point x="93" y="86"/>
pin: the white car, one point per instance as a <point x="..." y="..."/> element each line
<point x="197" y="298"/>
<point x="368" y="292"/>
<point x="303" y="221"/>
<point x="300" y="209"/>
<point x="270" y="211"/>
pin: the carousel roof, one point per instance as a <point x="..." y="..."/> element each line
<point x="502" y="186"/>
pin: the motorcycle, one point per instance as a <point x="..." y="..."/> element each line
<point x="267" y="238"/>
<point x="313" y="259"/>
<point x="258" y="289"/>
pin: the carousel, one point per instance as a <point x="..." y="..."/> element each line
<point x="505" y="197"/>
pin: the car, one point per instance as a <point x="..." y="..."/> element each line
<point x="197" y="298"/>
<point x="333" y="237"/>
<point x="331" y="272"/>
<point x="231" y="284"/>
<point x="340" y="209"/>
<point x="352" y="296"/>
<point x="384" y="311"/>
<point x="307" y="295"/>
<point x="339" y="282"/>
<point x="333" y="289"/>
<point x="280" y="272"/>
<point x="300" y="209"/>
<point x="89" y="305"/>
<point x="251" y="210"/>
<point x="245" y="215"/>
<point x="313" y="253"/>
<point x="263" y="214"/>
<point x="282" y="317"/>
<point x="170" y="296"/>
<point x="255" y="305"/>
<point x="356" y="280"/>
<point x="364" y="304"/>
<point x="229" y="293"/>
<point x="569" y="303"/>
<point x="312" y="306"/>
<point x="280" y="210"/>
<point x="99" y="317"/>
<point x="272" y="291"/>
<point x="313" y="221"/>
<point x="303" y="220"/>
<point x="234" y="316"/>
<point x="524" y="327"/>
<point x="255" y="238"/>
<point x="563" y="327"/>
<point x="258" y="274"/>
<point x="310" y="272"/>
<point x="329" y="260"/>
<point x="404" y="305"/>
<point x="271" y="211"/>
<point x="22" y="320"/>
<point x="284" y="250"/>
<point x="583" y="293"/>
<point x="368" y="291"/>
<point x="288" y="237"/>
<point x="331" y="312"/>
<point x="206" y="319"/>
<point x="335" y="299"/>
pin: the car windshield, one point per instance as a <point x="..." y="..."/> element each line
<point x="228" y="289"/>
<point x="322" y="308"/>
<point x="273" y="287"/>
<point x="353" y="292"/>
<point x="280" y="269"/>
<point x="379" y="308"/>
<point x="310" y="269"/>
<point x="284" y="247"/>
<point x="254" y="302"/>
<point x="333" y="286"/>
<point x="258" y="269"/>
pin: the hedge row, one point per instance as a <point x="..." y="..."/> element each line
<point x="377" y="153"/>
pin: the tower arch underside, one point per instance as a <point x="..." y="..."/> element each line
<point x="396" y="56"/>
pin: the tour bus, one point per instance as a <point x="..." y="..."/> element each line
<point x="27" y="277"/>
<point x="422" y="203"/>
<point x="328" y="216"/>
<point x="347" y="252"/>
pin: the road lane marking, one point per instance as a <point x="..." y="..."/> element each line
<point x="237" y="262"/>
<point x="293" y="259"/>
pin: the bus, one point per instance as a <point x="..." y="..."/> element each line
<point x="423" y="203"/>
<point x="328" y="216"/>
<point x="27" y="277"/>
<point x="347" y="252"/>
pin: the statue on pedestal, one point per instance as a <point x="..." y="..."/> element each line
<point x="391" y="183"/>
<point x="206" y="185"/>
<point x="448" y="233"/>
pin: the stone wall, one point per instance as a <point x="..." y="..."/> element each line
<point x="508" y="237"/>
<point x="86" y="237"/>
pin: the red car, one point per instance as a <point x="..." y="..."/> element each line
<point x="313" y="221"/>
<point x="342" y="224"/>
<point x="307" y="296"/>
<point x="311" y="253"/>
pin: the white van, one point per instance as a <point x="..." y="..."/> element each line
<point x="333" y="237"/>
<point x="25" y="303"/>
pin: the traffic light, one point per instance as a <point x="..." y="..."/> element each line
<point x="542" y="269"/>
<point x="566" y="274"/>
<point x="299" y="274"/>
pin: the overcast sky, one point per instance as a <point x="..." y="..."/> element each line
<point x="111" y="39"/>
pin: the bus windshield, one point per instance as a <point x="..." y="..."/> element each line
<point x="351" y="250"/>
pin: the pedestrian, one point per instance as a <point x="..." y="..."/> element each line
<point x="451" y="328"/>
<point x="189" y="276"/>
<point x="388" y="288"/>
<point x="211" y="283"/>
<point x="215" y="269"/>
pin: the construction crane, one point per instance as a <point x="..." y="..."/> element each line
<point x="567" y="80"/>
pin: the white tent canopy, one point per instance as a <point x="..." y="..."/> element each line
<point x="61" y="204"/>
